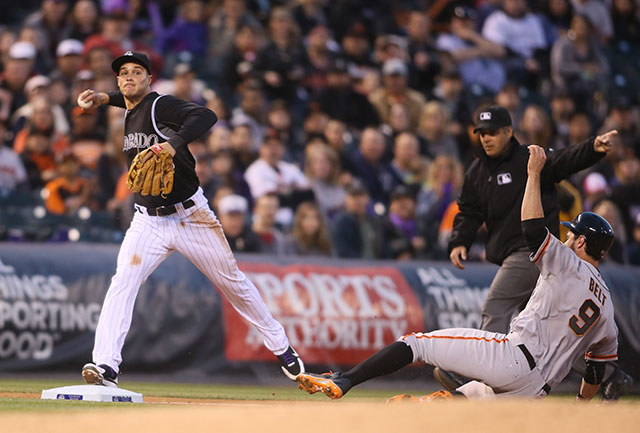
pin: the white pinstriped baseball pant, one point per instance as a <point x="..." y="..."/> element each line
<point x="197" y="234"/>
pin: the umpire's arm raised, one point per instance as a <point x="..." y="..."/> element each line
<point x="563" y="163"/>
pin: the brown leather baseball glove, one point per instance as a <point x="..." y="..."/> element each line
<point x="151" y="172"/>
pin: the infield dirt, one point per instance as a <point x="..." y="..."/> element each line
<point x="161" y="415"/>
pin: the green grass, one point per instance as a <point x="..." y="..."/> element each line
<point x="177" y="390"/>
<point x="190" y="391"/>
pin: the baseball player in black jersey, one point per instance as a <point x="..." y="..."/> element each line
<point x="181" y="220"/>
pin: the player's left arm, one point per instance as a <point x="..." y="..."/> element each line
<point x="531" y="213"/>
<point x="190" y="121"/>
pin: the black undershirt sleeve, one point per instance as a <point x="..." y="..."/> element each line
<point x="594" y="373"/>
<point x="535" y="232"/>
<point x="116" y="99"/>
<point x="191" y="121"/>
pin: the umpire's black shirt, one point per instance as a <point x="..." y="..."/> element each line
<point x="159" y="118"/>
<point x="493" y="190"/>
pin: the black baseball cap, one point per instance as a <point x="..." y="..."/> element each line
<point x="492" y="118"/>
<point x="131" y="57"/>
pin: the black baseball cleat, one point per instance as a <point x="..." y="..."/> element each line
<point x="99" y="375"/>
<point x="292" y="365"/>
<point x="618" y="385"/>
<point x="333" y="385"/>
<point x="449" y="380"/>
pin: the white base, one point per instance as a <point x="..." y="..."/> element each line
<point x="92" y="393"/>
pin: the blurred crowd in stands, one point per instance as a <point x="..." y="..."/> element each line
<point x="345" y="126"/>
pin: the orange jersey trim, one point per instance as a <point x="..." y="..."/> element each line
<point x="543" y="248"/>
<point x="457" y="338"/>
<point x="589" y="356"/>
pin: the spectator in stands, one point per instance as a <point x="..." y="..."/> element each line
<point x="337" y="138"/>
<point x="67" y="192"/>
<point x="86" y="140"/>
<point x="625" y="187"/>
<point x="252" y="111"/>
<point x="395" y="90"/>
<point x="13" y="176"/>
<point x="83" y="20"/>
<point x="433" y="130"/>
<point x="522" y="34"/>
<point x="407" y="163"/>
<point x="309" y="14"/>
<point x="238" y="64"/>
<point x="625" y="15"/>
<point x="322" y="168"/>
<point x="476" y="57"/>
<point x="116" y="35"/>
<point x="369" y="166"/>
<point x="309" y="235"/>
<point x="356" y="46"/>
<point x="578" y="63"/>
<point x="224" y="24"/>
<point x="17" y="70"/>
<point x="509" y="98"/>
<point x="580" y="127"/>
<point x="184" y="85"/>
<point x="38" y="159"/>
<point x="69" y="61"/>
<point x="280" y="121"/>
<point x="37" y="89"/>
<point x="340" y="101"/>
<point x="403" y="232"/>
<point x="51" y="21"/>
<point x="241" y="141"/>
<point x="441" y="188"/>
<point x="112" y="172"/>
<point x="99" y="63"/>
<point x="425" y="61"/>
<point x="232" y="212"/>
<point x="225" y="173"/>
<point x="320" y="55"/>
<point x="41" y="119"/>
<point x="556" y="17"/>
<point x="272" y="240"/>
<point x="219" y="139"/>
<point x="624" y="118"/>
<point x="450" y="92"/>
<point x="280" y="64"/>
<point x="187" y="33"/>
<point x="562" y="107"/>
<point x="609" y="211"/>
<point x="634" y="246"/>
<point x="535" y="127"/>
<point x="356" y="234"/>
<point x="270" y="174"/>
<point x="598" y="15"/>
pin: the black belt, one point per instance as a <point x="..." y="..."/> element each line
<point x="168" y="210"/>
<point x="532" y="364"/>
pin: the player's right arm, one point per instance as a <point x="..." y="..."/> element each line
<point x="100" y="98"/>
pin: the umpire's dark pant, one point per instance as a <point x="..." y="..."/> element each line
<point x="509" y="292"/>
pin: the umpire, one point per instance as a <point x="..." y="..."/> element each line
<point x="492" y="194"/>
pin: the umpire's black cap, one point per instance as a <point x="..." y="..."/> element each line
<point x="131" y="57"/>
<point x="492" y="118"/>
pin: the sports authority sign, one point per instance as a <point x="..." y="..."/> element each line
<point x="331" y="314"/>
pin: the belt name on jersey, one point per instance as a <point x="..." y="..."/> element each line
<point x="597" y="291"/>
<point x="139" y="140"/>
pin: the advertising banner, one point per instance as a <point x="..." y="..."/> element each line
<point x="331" y="314"/>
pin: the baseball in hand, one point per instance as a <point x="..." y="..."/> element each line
<point x="85" y="105"/>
